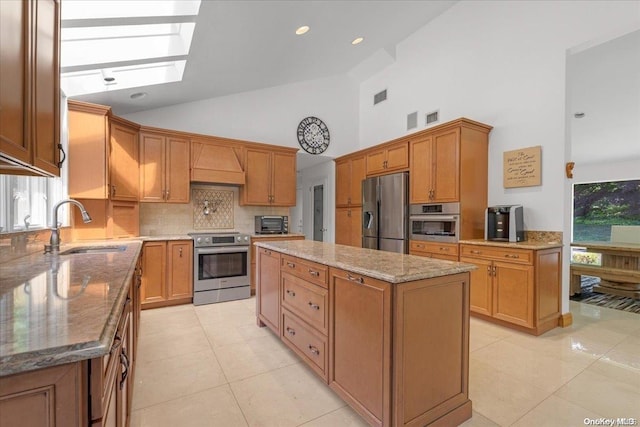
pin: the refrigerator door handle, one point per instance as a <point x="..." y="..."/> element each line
<point x="368" y="220"/>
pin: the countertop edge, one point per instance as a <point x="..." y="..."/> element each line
<point x="527" y="244"/>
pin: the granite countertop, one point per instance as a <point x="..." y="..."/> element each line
<point x="387" y="266"/>
<point x="162" y="237"/>
<point x="57" y="309"/>
<point x="527" y="244"/>
<point x="277" y="236"/>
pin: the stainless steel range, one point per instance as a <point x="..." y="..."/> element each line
<point x="221" y="267"/>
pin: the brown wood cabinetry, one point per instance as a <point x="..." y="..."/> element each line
<point x="515" y="287"/>
<point x="217" y="160"/>
<point x="164" y="168"/>
<point x="123" y="160"/>
<point x="349" y="226"/>
<point x="268" y="289"/>
<point x="167" y="273"/>
<point x="435" y="168"/>
<point x="445" y="251"/>
<point x="30" y="87"/>
<point x="253" y="254"/>
<point x="368" y="340"/>
<point x="271" y="177"/>
<point x="350" y="171"/>
<point x="47" y="397"/>
<point x="388" y="158"/>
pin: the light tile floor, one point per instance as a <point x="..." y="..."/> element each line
<point x="212" y="366"/>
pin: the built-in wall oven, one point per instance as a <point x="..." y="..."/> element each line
<point x="437" y="222"/>
<point x="221" y="267"/>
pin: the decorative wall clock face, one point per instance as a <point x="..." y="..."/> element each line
<point x="313" y="135"/>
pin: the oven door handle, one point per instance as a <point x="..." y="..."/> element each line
<point x="213" y="251"/>
<point x="434" y="218"/>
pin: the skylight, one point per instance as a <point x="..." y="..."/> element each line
<point x="112" y="45"/>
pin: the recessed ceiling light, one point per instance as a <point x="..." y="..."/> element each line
<point x="579" y="115"/>
<point x="138" y="95"/>
<point x="300" y="31"/>
<point x="357" y="40"/>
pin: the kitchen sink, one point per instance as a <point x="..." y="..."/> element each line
<point x="94" y="250"/>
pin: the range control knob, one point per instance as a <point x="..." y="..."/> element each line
<point x="246" y="238"/>
<point x="199" y="240"/>
<point x="207" y="240"/>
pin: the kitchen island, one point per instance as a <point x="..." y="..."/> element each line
<point x="389" y="333"/>
<point x="68" y="328"/>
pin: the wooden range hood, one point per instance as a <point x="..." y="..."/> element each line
<point x="217" y="162"/>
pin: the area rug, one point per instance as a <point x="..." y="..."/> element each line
<point x="587" y="296"/>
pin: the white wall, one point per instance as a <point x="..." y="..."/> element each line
<point x="501" y="63"/>
<point x="269" y="116"/>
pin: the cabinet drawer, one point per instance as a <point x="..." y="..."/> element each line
<point x="307" y="270"/>
<point x="522" y="256"/>
<point x="308" y="301"/>
<point x="307" y="343"/>
<point x="450" y="249"/>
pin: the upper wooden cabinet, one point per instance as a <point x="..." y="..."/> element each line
<point x="350" y="171"/>
<point x="349" y="226"/>
<point x="387" y="158"/>
<point x="271" y="177"/>
<point x="30" y="87"/>
<point x="449" y="163"/>
<point x="103" y="154"/>
<point x="164" y="168"/>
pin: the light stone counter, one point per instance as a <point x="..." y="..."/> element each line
<point x="387" y="266"/>
<point x="56" y="309"/>
<point x="527" y="244"/>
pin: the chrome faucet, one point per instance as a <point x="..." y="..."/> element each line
<point x="54" y="242"/>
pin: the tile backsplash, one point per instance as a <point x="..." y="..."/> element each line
<point x="170" y="218"/>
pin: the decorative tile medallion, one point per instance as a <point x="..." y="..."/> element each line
<point x="212" y="209"/>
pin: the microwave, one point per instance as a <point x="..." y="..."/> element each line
<point x="272" y="224"/>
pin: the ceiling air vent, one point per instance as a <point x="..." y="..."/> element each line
<point x="379" y="97"/>
<point x="412" y="120"/>
<point x="432" y="117"/>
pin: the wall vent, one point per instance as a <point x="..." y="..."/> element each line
<point x="379" y="97"/>
<point x="432" y="117"/>
<point x="412" y="120"/>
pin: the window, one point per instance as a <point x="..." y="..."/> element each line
<point x="599" y="205"/>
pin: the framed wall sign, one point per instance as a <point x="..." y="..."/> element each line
<point x="522" y="167"/>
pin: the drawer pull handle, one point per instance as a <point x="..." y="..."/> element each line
<point x="314" y="350"/>
<point x="291" y="293"/>
<point x="355" y="279"/>
<point x="444" y="249"/>
<point x="314" y="273"/>
<point x="291" y="265"/>
<point x="512" y="256"/>
<point x="117" y="342"/>
<point x="124" y="360"/>
<point x="475" y="252"/>
<point x="291" y="331"/>
<point x="314" y="306"/>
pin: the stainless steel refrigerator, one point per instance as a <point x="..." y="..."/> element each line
<point x="385" y="213"/>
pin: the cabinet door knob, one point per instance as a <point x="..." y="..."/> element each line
<point x="291" y="331"/>
<point x="314" y="306"/>
<point x="180" y="250"/>
<point x="291" y="293"/>
<point x="314" y="350"/>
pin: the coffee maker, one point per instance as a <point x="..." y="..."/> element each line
<point x="504" y="223"/>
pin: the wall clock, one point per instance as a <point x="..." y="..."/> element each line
<point x="313" y="135"/>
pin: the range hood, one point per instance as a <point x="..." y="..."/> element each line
<point x="216" y="163"/>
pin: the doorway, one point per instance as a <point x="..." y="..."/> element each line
<point x="318" y="212"/>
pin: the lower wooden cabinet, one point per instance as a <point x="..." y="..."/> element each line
<point x="254" y="258"/>
<point x="349" y="226"/>
<point x="398" y="354"/>
<point x="268" y="289"/>
<point x="167" y="273"/>
<point x="445" y="251"/>
<point x="515" y="287"/>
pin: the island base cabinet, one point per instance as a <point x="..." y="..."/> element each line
<point x="268" y="289"/>
<point x="46" y="397"/>
<point x="360" y="344"/>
